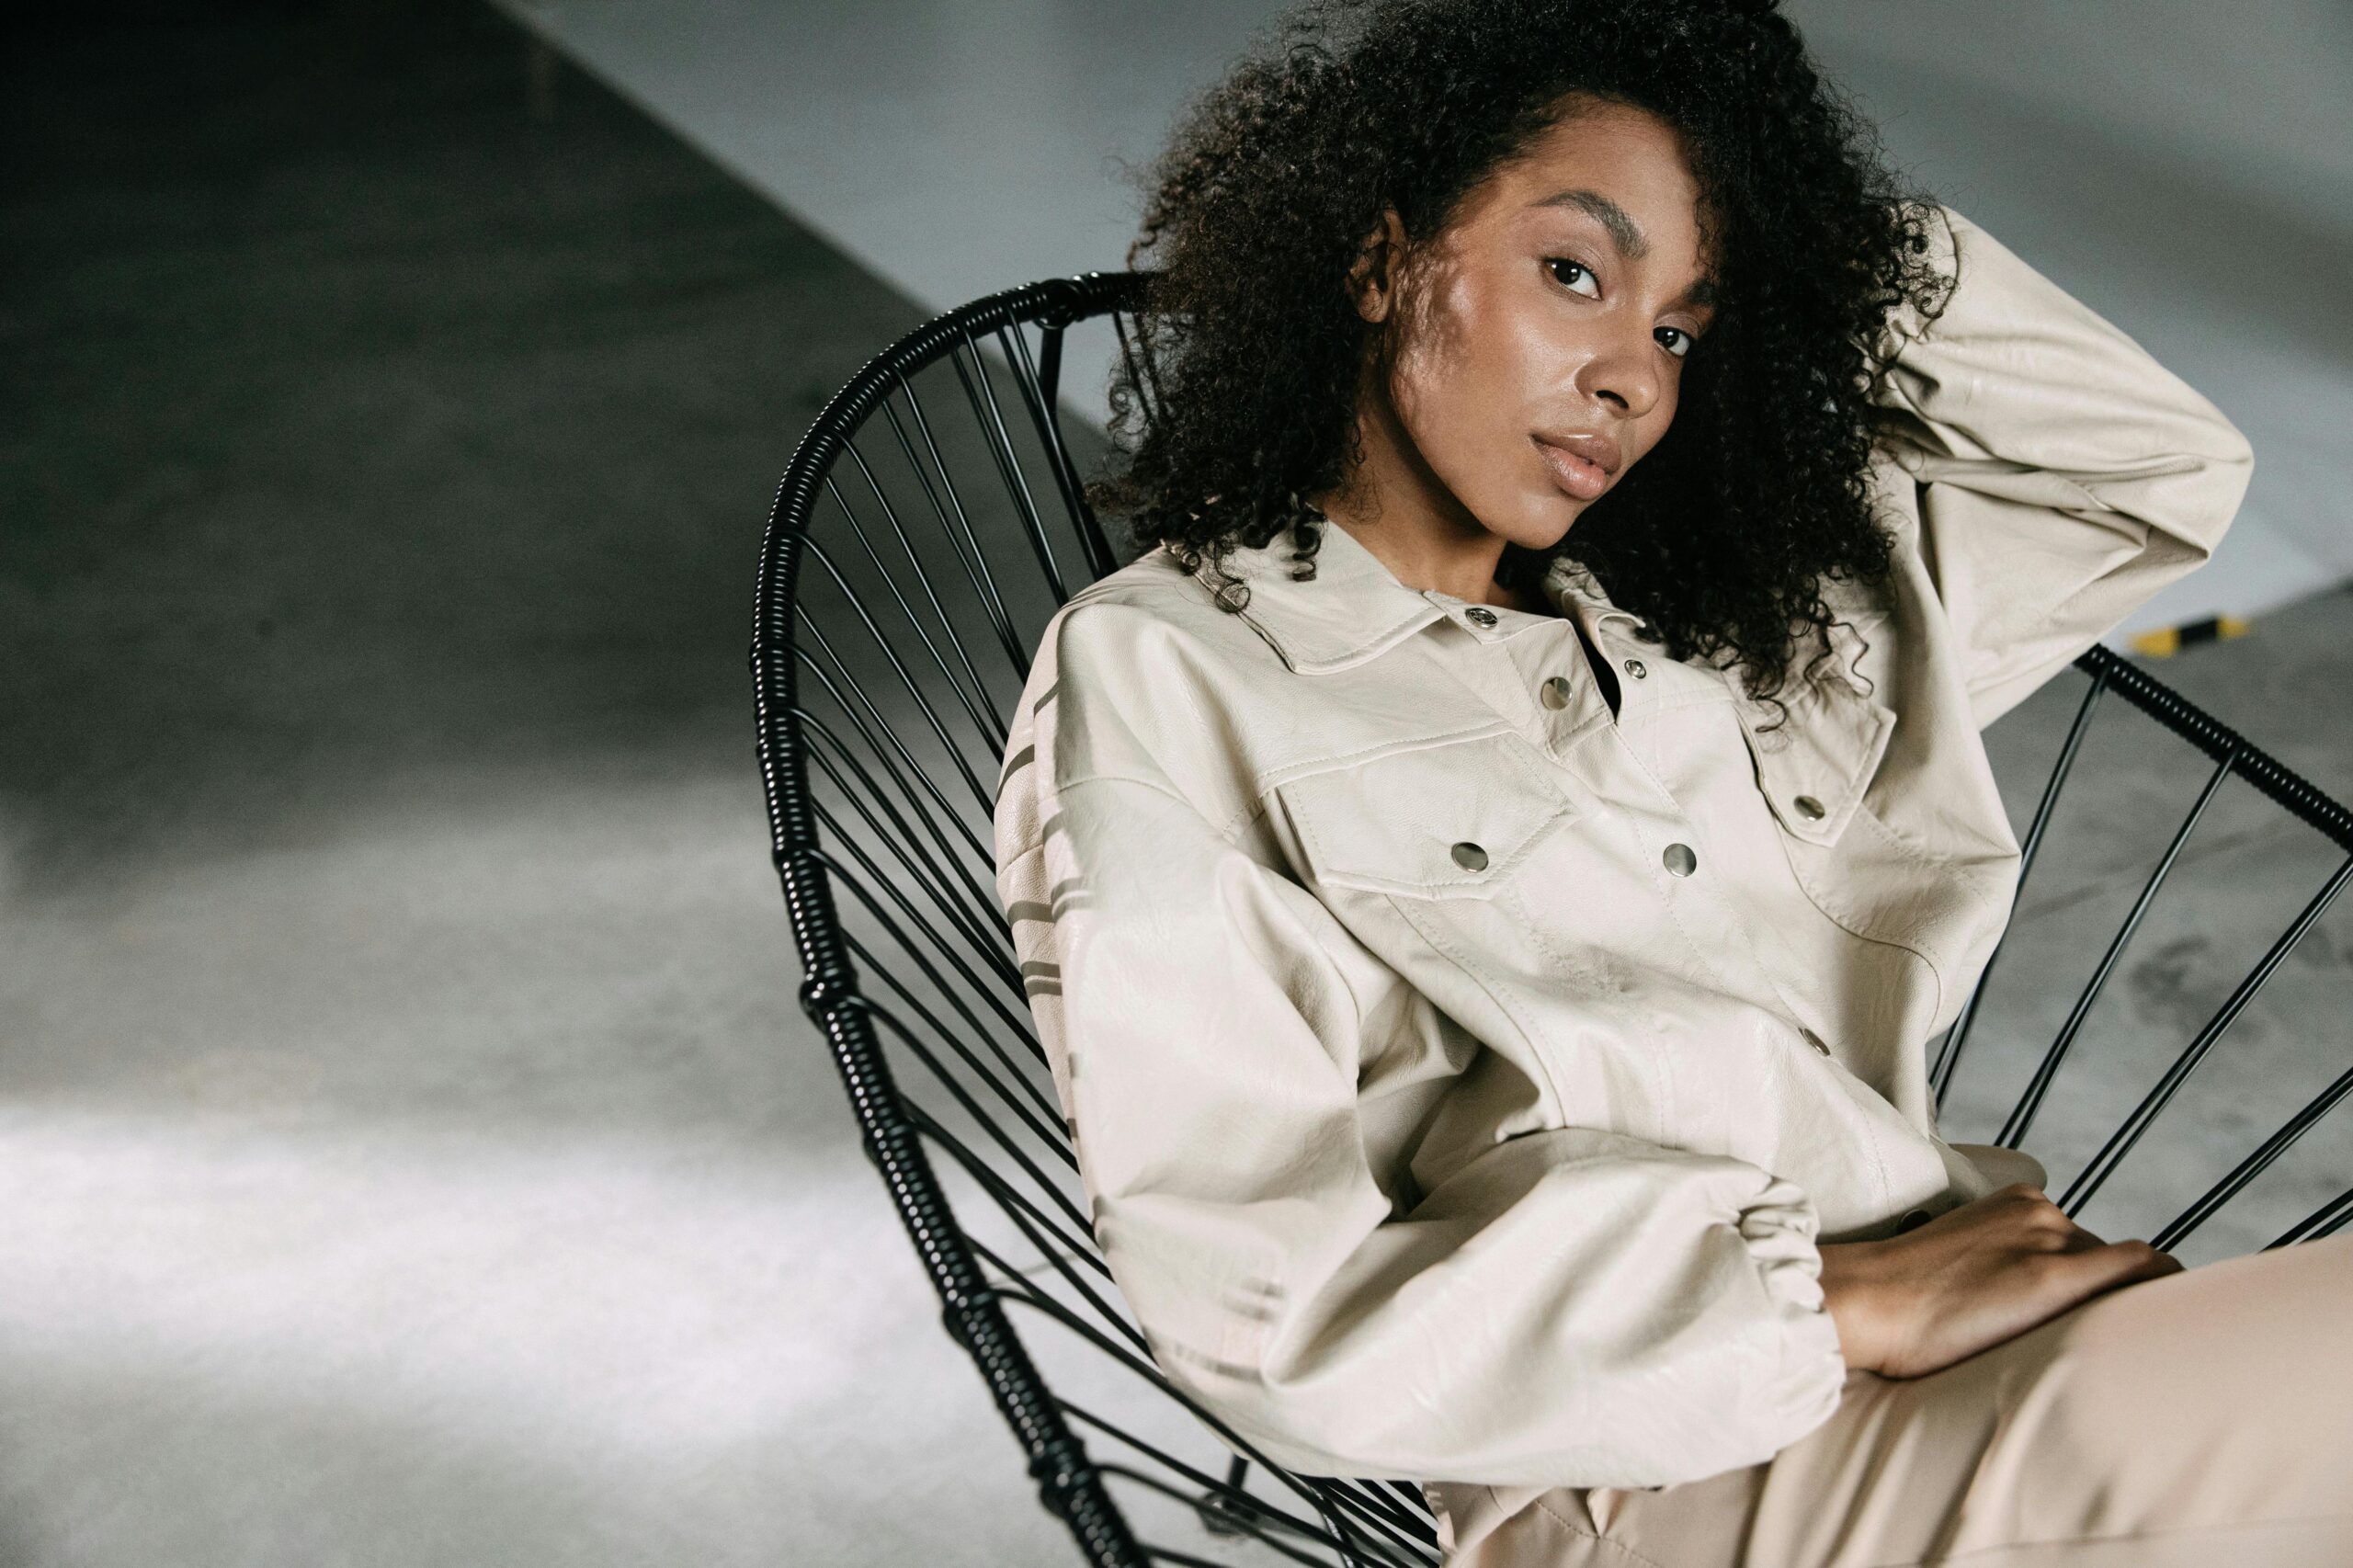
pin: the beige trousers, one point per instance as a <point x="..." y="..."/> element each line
<point x="2201" y="1420"/>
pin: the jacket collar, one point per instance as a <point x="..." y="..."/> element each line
<point x="1354" y="607"/>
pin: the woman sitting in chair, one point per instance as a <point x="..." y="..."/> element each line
<point x="1489" y="873"/>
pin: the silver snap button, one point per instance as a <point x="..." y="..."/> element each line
<point x="1636" y="668"/>
<point x="1681" y="860"/>
<point x="1808" y="808"/>
<point x="1913" y="1219"/>
<point x="1814" y="1040"/>
<point x="1484" y="617"/>
<point x="1555" y="692"/>
<point x="1469" y="857"/>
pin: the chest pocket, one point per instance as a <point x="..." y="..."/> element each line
<point x="1815" y="765"/>
<point x="1450" y="819"/>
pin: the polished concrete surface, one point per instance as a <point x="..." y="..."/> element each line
<point x="410" y="1148"/>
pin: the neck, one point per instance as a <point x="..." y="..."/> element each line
<point x="1396" y="507"/>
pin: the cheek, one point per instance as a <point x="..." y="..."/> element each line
<point x="1460" y="383"/>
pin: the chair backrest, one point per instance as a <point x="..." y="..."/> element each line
<point x="929" y="524"/>
<point x="2274" y="846"/>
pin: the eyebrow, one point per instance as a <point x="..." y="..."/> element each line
<point x="1625" y="234"/>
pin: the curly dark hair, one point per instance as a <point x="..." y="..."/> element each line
<point x="1241" y="397"/>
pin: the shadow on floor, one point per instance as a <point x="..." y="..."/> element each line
<point x="380" y="394"/>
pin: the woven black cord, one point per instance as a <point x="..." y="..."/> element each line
<point x="2302" y="798"/>
<point x="1067" y="1483"/>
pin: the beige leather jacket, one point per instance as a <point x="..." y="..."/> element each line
<point x="1463" y="1076"/>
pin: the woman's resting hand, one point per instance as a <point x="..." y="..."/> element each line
<point x="1969" y="1278"/>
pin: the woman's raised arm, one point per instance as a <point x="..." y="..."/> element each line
<point x="2064" y="475"/>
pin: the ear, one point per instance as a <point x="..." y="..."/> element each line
<point x="1373" y="281"/>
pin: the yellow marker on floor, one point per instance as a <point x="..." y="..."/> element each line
<point x="2172" y="640"/>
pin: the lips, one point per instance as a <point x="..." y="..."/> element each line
<point x="1581" y="463"/>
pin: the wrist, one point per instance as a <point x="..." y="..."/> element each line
<point x="1854" y="1296"/>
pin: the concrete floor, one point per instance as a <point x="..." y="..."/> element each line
<point x="410" y="1150"/>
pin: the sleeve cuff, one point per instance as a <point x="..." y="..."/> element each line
<point x="1808" y="1376"/>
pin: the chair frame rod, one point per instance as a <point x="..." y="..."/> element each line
<point x="2023" y="1114"/>
<point x="1948" y="1059"/>
<point x="1068" y="1484"/>
<point x="2119" y="1144"/>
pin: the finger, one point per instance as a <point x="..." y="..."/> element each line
<point x="2081" y="1239"/>
<point x="2122" y="1263"/>
<point x="2057" y="1226"/>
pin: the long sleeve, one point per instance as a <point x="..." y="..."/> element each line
<point x="1571" y="1307"/>
<point x="2064" y="475"/>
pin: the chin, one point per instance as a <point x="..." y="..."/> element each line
<point x="1532" y="516"/>
<point x="1542" y="525"/>
<point x="1550" y="517"/>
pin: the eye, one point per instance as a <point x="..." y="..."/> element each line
<point x="1687" y="341"/>
<point x="1555" y="264"/>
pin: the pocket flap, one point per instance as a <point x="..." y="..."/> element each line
<point x="1443" y="819"/>
<point x="1815" y="764"/>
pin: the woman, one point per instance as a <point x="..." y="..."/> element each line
<point x="1486" y="876"/>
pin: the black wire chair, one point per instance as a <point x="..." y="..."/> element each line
<point x="917" y="547"/>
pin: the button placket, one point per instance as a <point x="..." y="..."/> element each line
<point x="1584" y="675"/>
<point x="1712" y="912"/>
<point x="1612" y="637"/>
<point x="1553" y="670"/>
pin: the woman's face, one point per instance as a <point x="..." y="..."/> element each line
<point x="1534" y="348"/>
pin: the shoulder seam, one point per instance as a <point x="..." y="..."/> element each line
<point x="1226" y="830"/>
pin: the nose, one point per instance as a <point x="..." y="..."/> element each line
<point x="1623" y="371"/>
